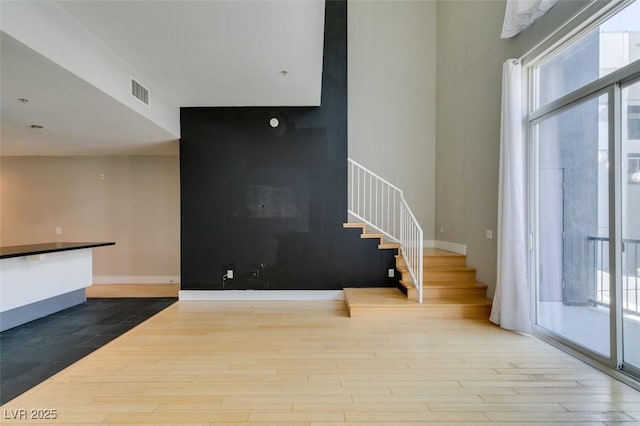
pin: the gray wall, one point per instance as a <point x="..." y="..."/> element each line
<point x="392" y="104"/>
<point x="469" y="61"/>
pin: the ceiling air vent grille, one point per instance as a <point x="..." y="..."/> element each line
<point x="139" y="92"/>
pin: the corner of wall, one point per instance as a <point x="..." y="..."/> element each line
<point x="449" y="246"/>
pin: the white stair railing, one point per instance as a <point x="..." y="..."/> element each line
<point x="381" y="205"/>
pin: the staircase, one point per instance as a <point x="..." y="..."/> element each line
<point x="450" y="289"/>
<point x="364" y="233"/>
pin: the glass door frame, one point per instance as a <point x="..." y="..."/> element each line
<point x="612" y="86"/>
<point x="620" y="364"/>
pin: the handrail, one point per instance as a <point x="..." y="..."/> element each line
<point x="624" y="240"/>
<point x="375" y="175"/>
<point x="382" y="206"/>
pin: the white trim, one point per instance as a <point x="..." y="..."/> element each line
<point x="260" y="295"/>
<point x="428" y="243"/>
<point x="449" y="246"/>
<point x="585" y="20"/>
<point x="136" y="279"/>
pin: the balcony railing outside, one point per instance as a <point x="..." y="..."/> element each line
<point x="630" y="273"/>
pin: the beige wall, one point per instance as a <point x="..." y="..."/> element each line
<point x="137" y="205"/>
<point x="392" y="110"/>
<point x="469" y="67"/>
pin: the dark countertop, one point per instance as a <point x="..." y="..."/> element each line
<point x="31" y="249"/>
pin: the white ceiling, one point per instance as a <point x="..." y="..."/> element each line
<point x="78" y="119"/>
<point x="197" y="53"/>
<point x="216" y="53"/>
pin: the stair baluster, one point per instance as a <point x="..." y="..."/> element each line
<point x="382" y="206"/>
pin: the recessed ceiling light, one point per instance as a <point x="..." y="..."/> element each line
<point x="23" y="100"/>
<point x="37" y="126"/>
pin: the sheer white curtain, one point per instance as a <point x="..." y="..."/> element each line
<point x="519" y="14"/>
<point x="512" y="300"/>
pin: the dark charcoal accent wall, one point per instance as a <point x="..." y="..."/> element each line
<point x="270" y="203"/>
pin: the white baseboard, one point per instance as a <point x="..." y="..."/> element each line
<point x="276" y="295"/>
<point x="136" y="279"/>
<point x="428" y="243"/>
<point x="449" y="246"/>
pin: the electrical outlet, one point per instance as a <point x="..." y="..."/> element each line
<point x="392" y="273"/>
<point x="230" y="274"/>
<point x="442" y="229"/>
<point x="58" y="230"/>
<point x="489" y="234"/>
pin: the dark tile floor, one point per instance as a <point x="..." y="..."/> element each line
<point x="33" y="352"/>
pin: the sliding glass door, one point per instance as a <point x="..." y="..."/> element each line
<point x="584" y="128"/>
<point x="578" y="286"/>
<point x="573" y="224"/>
<point x="630" y="277"/>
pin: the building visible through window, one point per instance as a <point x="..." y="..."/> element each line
<point x="633" y="121"/>
<point x="634" y="169"/>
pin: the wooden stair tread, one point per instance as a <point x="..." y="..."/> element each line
<point x="406" y="284"/>
<point x="448" y="268"/>
<point x="445" y="284"/>
<point x="371" y="235"/>
<point x="385" y="245"/>
<point x="458" y="301"/>
<point x="434" y="252"/>
<point x="454" y="284"/>
<point x="354" y="225"/>
<point x="439" y="268"/>
<point x="364" y="234"/>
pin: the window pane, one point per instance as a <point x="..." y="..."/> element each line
<point x="613" y="45"/>
<point x="573" y="224"/>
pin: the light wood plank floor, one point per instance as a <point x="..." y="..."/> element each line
<point x="307" y="363"/>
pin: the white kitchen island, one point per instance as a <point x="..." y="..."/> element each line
<point x="39" y="279"/>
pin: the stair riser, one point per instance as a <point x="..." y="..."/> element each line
<point x="453" y="293"/>
<point x="423" y="312"/>
<point x="449" y="276"/>
<point x="427" y="270"/>
<point x="412" y="294"/>
<point x="444" y="261"/>
<point x="446" y="293"/>
<point x="435" y="261"/>
<point x="388" y="246"/>
<point x="442" y="276"/>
